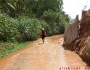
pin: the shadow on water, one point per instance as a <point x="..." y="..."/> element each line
<point x="66" y="48"/>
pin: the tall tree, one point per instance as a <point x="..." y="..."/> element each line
<point x="39" y="6"/>
<point x="12" y="7"/>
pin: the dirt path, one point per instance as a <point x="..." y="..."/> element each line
<point x="48" y="56"/>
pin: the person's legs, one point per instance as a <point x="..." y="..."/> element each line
<point x="43" y="37"/>
<point x="43" y="41"/>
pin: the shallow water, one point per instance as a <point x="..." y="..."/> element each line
<point x="48" y="56"/>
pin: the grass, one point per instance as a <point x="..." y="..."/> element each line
<point x="7" y="48"/>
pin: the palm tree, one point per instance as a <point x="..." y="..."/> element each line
<point x="12" y="7"/>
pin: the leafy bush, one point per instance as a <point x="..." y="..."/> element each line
<point x="51" y="16"/>
<point x="28" y="29"/>
<point x="25" y="28"/>
<point x="7" y="28"/>
<point x="61" y="27"/>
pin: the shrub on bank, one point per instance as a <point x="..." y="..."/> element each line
<point x="25" y="28"/>
<point x="7" y="28"/>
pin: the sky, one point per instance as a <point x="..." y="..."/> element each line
<point x="75" y="7"/>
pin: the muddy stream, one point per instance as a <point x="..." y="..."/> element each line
<point x="48" y="56"/>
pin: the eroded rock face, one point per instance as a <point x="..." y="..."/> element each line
<point x="84" y="33"/>
<point x="71" y="32"/>
<point x="77" y="36"/>
<point x="81" y="42"/>
<point x="85" y="52"/>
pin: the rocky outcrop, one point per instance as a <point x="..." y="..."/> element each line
<point x="84" y="32"/>
<point x="85" y="51"/>
<point x="81" y="42"/>
<point x="71" y="32"/>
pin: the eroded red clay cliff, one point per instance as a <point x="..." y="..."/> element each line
<point x="81" y="42"/>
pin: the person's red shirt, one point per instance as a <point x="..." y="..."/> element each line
<point x="43" y="32"/>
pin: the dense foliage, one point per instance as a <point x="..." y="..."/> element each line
<point x="25" y="28"/>
<point x="33" y="8"/>
<point x="22" y="20"/>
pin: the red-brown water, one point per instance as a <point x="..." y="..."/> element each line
<point x="48" y="56"/>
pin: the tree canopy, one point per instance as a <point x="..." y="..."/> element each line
<point x="36" y="7"/>
<point x="24" y="17"/>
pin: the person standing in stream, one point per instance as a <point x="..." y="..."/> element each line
<point x="43" y="34"/>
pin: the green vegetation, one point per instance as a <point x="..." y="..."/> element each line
<point x="25" y="28"/>
<point x="22" y="20"/>
<point x="6" y="48"/>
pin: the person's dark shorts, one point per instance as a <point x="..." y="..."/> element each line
<point x="43" y="36"/>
